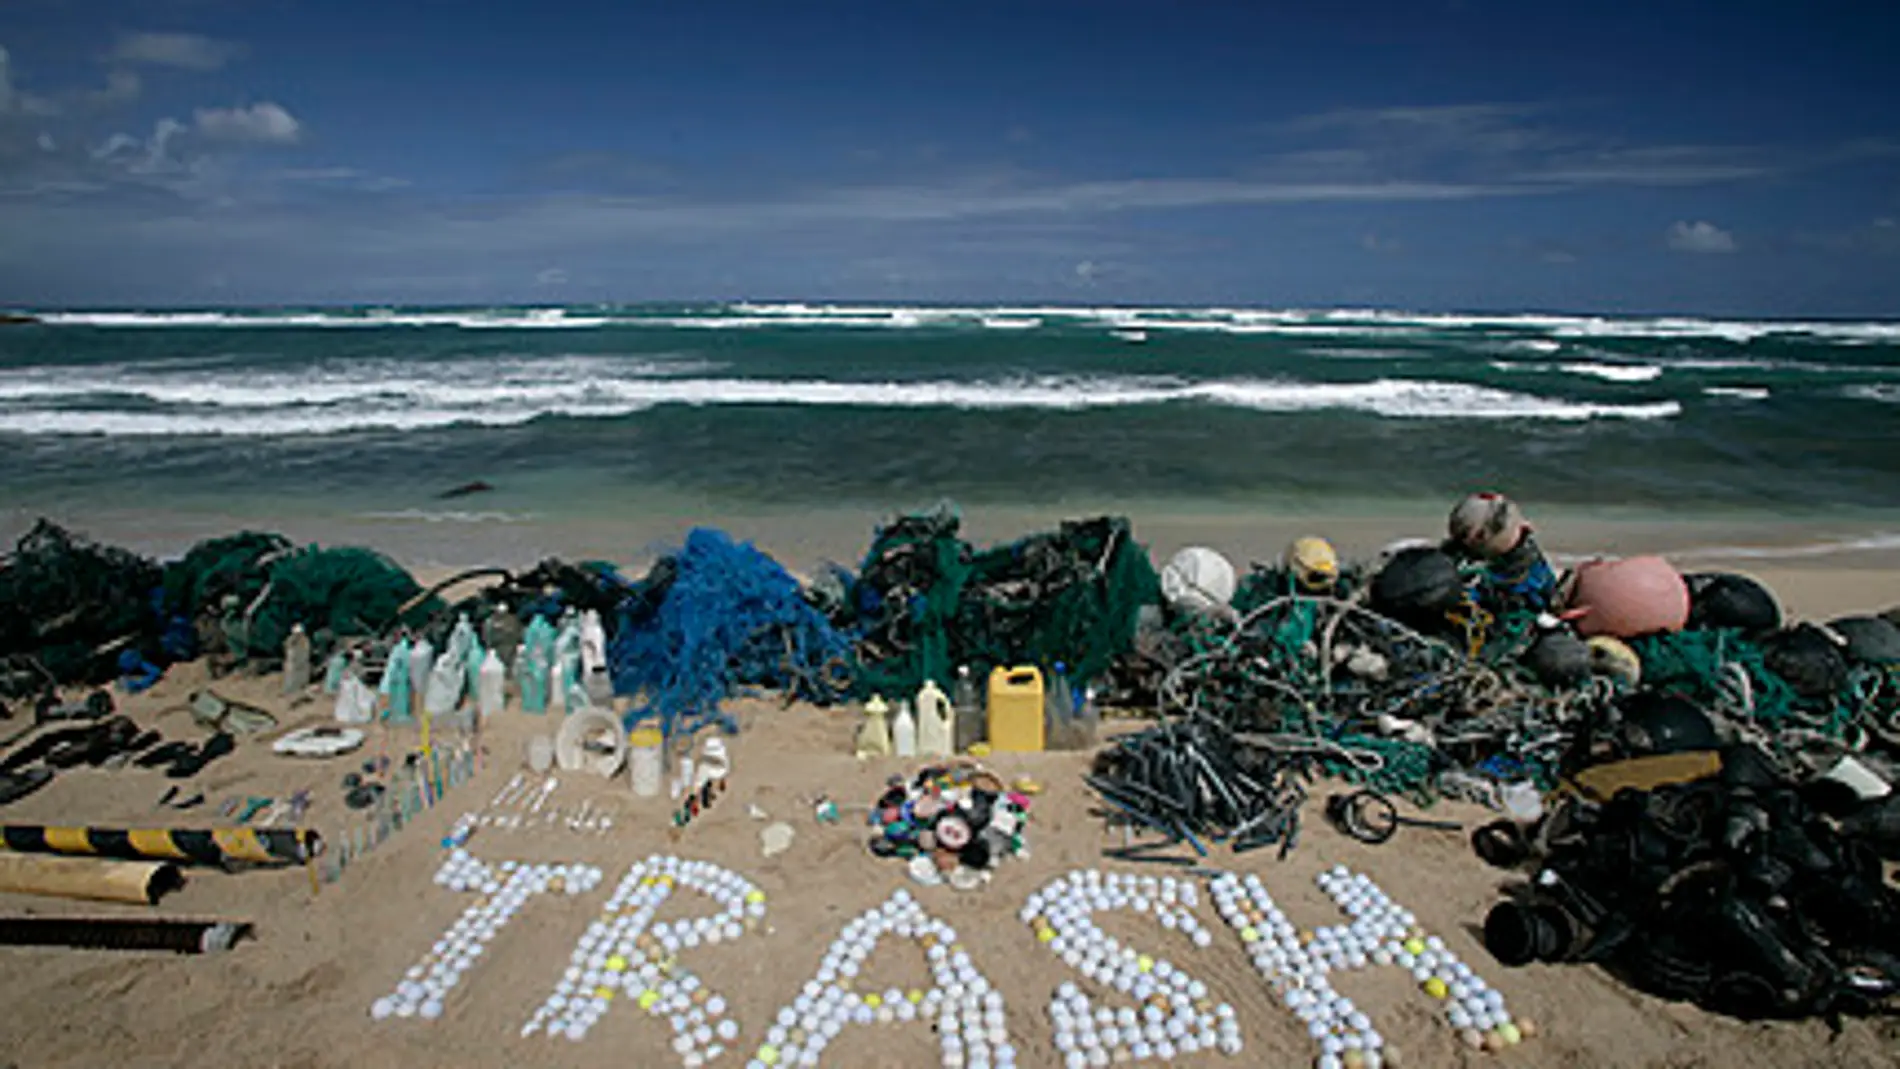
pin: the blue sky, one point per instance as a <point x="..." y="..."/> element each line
<point x="1736" y="159"/>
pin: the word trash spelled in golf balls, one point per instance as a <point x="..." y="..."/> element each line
<point x="1297" y="966"/>
<point x="625" y="954"/>
<point x="504" y="888"/>
<point x="968" y="1012"/>
<point x="1175" y="1015"/>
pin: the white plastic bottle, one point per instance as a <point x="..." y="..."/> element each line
<point x="493" y="686"/>
<point x="904" y="731"/>
<point x="936" y="721"/>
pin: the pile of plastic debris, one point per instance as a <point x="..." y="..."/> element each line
<point x="1733" y="889"/>
<point x="1460" y="666"/>
<point x="72" y="607"/>
<point x="953" y="823"/>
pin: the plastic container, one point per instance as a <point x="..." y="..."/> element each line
<point x="1058" y="710"/>
<point x="874" y="733"/>
<point x="492" y="697"/>
<point x="1015" y="709"/>
<point x="904" y="731"/>
<point x="644" y="758"/>
<point x="969" y="711"/>
<point x="296" y="661"/>
<point x="936" y="721"/>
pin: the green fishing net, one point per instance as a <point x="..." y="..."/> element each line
<point x="925" y="602"/>
<point x="229" y="566"/>
<point x="334" y="593"/>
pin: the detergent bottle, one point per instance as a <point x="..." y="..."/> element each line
<point x="874" y="733"/>
<point x="936" y="721"/>
<point x="532" y="665"/>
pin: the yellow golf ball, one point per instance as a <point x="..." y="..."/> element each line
<point x="755" y="897"/>
<point x="648" y="998"/>
<point x="768" y="1054"/>
<point x="1436" y="988"/>
<point x="1249" y="934"/>
<point x="1415" y="946"/>
<point x="874" y="1001"/>
<point x="1044" y="935"/>
<point x="616" y="964"/>
<point x="1510" y="1033"/>
<point x="1145" y="963"/>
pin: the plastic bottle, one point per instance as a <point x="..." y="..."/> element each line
<point x="395" y="684"/>
<point x="567" y="663"/>
<point x="502" y="633"/>
<point x="904" y="731"/>
<point x="968" y="703"/>
<point x="333" y="672"/>
<point x="355" y="702"/>
<point x="1088" y="719"/>
<point x="936" y="721"/>
<point x="1058" y="710"/>
<point x="421" y="662"/>
<point x="296" y="661"/>
<point x="594" y="677"/>
<point x="874" y="732"/>
<point x="532" y="666"/>
<point x="493" y="688"/>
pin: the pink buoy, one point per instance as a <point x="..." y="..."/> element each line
<point x="1628" y="598"/>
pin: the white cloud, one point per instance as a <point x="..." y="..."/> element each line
<point x="551" y="276"/>
<point x="186" y="51"/>
<point x="1702" y="237"/>
<point x="1883" y="223"/>
<point x="263" y="122"/>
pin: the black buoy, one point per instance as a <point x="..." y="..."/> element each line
<point x="1869" y="639"/>
<point x="1809" y="658"/>
<point x="1559" y="658"/>
<point x="1417" y="585"/>
<point x="1724" y="601"/>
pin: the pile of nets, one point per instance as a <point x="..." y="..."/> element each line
<point x="925" y="602"/>
<point x="711" y="618"/>
<point x="72" y="606"/>
<point x="334" y="593"/>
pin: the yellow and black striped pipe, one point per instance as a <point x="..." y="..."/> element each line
<point x="212" y="846"/>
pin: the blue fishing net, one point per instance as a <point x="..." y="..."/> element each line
<point x="718" y="616"/>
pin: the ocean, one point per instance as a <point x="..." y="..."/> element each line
<point x="594" y="412"/>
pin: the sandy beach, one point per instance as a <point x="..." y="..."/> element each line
<point x="299" y="995"/>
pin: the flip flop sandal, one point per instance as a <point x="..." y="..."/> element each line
<point x="165" y="755"/>
<point x="193" y="802"/>
<point x="17" y="785"/>
<point x="214" y="747"/>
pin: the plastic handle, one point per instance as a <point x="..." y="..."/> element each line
<point x="1020" y="679"/>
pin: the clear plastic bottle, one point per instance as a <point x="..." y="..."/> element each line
<point x="968" y="703"/>
<point x="296" y="660"/>
<point x="1058" y="710"/>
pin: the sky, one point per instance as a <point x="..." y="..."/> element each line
<point x="1740" y="158"/>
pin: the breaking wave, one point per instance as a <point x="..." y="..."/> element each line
<point x="1546" y="332"/>
<point x="258" y="405"/>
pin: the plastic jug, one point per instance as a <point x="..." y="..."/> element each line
<point x="296" y="661"/>
<point x="874" y="733"/>
<point x="1015" y="709"/>
<point x="936" y="721"/>
<point x="492" y="691"/>
<point x="533" y="665"/>
<point x="594" y="678"/>
<point x="501" y="632"/>
<point x="904" y="732"/>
